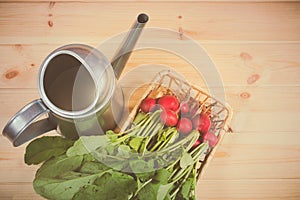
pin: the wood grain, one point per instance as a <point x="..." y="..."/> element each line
<point x="239" y="64"/>
<point x="19" y="191"/>
<point x="42" y="23"/>
<point x="247" y="189"/>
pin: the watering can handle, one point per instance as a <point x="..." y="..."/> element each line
<point x="25" y="125"/>
<point x="122" y="55"/>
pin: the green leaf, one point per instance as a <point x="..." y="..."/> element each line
<point x="124" y="151"/>
<point x="163" y="190"/>
<point x="88" y="158"/>
<point x="102" y="180"/>
<point x="149" y="192"/>
<point x="186" y="188"/>
<point x="123" y="181"/>
<point x="168" y="197"/>
<point x="141" y="166"/>
<point x="186" y="160"/>
<point x="159" y="184"/>
<point x="144" y="177"/>
<point x="71" y="175"/>
<point x="158" y="188"/>
<point x="89" y="192"/>
<point x="46" y="147"/>
<point x="94" y="192"/>
<point x="154" y="191"/>
<point x="61" y="189"/>
<point x="93" y="167"/>
<point x="116" y="184"/>
<point x="112" y="136"/>
<point x="136" y="142"/>
<point x="87" y="144"/>
<point x="110" y="149"/>
<point x="139" y="117"/>
<point x="162" y="175"/>
<point x="115" y="162"/>
<point x="59" y="165"/>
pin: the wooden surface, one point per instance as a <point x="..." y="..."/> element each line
<point x="254" y="44"/>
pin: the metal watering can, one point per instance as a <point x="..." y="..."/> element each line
<point x="78" y="90"/>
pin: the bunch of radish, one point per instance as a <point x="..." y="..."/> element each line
<point x="182" y="116"/>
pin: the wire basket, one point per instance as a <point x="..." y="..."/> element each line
<point x="167" y="82"/>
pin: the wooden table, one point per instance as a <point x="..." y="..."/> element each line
<point x="254" y="44"/>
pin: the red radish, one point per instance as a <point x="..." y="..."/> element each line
<point x="197" y="143"/>
<point x="184" y="108"/>
<point x="211" y="138"/>
<point x="201" y="122"/>
<point x="147" y="104"/>
<point x="169" y="102"/>
<point x="169" y="117"/>
<point x="184" y="125"/>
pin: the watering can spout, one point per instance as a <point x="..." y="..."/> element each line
<point x="123" y="53"/>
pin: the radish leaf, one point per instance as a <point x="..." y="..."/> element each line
<point x="44" y="148"/>
<point x="186" y="160"/>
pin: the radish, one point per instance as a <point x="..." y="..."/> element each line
<point x="169" y="117"/>
<point x="184" y="125"/>
<point x="184" y="108"/>
<point x="202" y="122"/>
<point x="169" y="102"/>
<point x="211" y="138"/>
<point x="147" y="104"/>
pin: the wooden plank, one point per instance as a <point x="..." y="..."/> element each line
<point x="238" y="64"/>
<point x="206" y="190"/>
<point x="281" y="121"/>
<point x="252" y="155"/>
<point x="19" y="191"/>
<point x="248" y="190"/>
<point x="12" y="162"/>
<point x="51" y="23"/>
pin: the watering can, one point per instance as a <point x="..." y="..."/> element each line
<point x="78" y="92"/>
